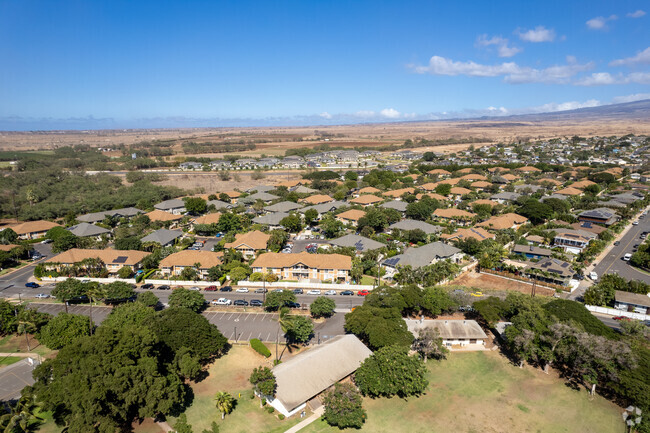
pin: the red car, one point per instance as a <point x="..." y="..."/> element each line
<point x="621" y="318"/>
<point x="211" y="289"/>
<point x="363" y="293"/>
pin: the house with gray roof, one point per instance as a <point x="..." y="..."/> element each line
<point x="264" y="196"/>
<point x="174" y="206"/>
<point x="164" y="237"/>
<point x="505" y="197"/>
<point x="409" y="224"/>
<point x="551" y="270"/>
<point x="323" y="208"/>
<point x="260" y="188"/>
<point x="532" y="252"/>
<point x="272" y="219"/>
<point x="360" y="243"/>
<point x="302" y="189"/>
<point x="218" y="204"/>
<point x="96" y="217"/>
<point x="422" y="256"/>
<point x="283" y="206"/>
<point x="632" y="302"/>
<point x="398" y="205"/>
<point x="85" y="230"/>
<point x="467" y="334"/>
<point x="601" y="215"/>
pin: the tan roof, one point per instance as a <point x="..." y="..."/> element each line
<point x="551" y="181"/>
<point x="318" y="199"/>
<point x="439" y="171"/>
<point x="484" y="201"/>
<point x="464" y="171"/>
<point x="460" y="191"/>
<point x="255" y="240"/>
<point x="476" y="232"/>
<point x="453" y="213"/>
<point x="8" y="247"/>
<point x="211" y="218"/>
<point x="430" y="186"/>
<point x="510" y="177"/>
<point x="315" y="261"/>
<point x="582" y="184"/>
<point x="292" y="183"/>
<point x="449" y="329"/>
<point x="495" y="169"/>
<point x="369" y="190"/>
<point x="352" y="215"/>
<point x="313" y="371"/>
<point x="207" y="259"/>
<point x="366" y="199"/>
<point x="452" y="181"/>
<point x="232" y="194"/>
<point x="528" y="169"/>
<point x="432" y="195"/>
<point x="108" y="256"/>
<point x="502" y="222"/>
<point x="398" y="192"/>
<point x="481" y="184"/>
<point x="161" y="215"/>
<point x="32" y="227"/>
<point x="474" y="176"/>
<point x="569" y="191"/>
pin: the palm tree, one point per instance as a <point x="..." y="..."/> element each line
<point x="225" y="403"/>
<point x="25" y="326"/>
<point x="20" y="417"/>
<point x="94" y="293"/>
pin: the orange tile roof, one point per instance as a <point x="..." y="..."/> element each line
<point x="316" y="261"/>
<point x="463" y="233"/>
<point x="369" y="190"/>
<point x="232" y="194"/>
<point x="317" y="199"/>
<point x="464" y="171"/>
<point x="481" y="184"/>
<point x="551" y="181"/>
<point x="255" y="240"/>
<point x="161" y="215"/>
<point x="8" y="247"/>
<point x="453" y="213"/>
<point x="582" y="184"/>
<point x="439" y="171"/>
<point x="460" y="191"/>
<point x="211" y="218"/>
<point x="352" y="215"/>
<point x="108" y="256"/>
<point x="398" y="192"/>
<point x="207" y="259"/>
<point x="474" y="176"/>
<point x="484" y="201"/>
<point x="32" y="227"/>
<point x="510" y="177"/>
<point x="430" y="186"/>
<point x="366" y="199"/>
<point x="569" y="191"/>
<point x="502" y="222"/>
<point x="452" y="181"/>
<point x="432" y="195"/>
<point x="528" y="169"/>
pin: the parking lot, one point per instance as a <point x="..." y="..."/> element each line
<point x="247" y="325"/>
<point x="99" y="312"/>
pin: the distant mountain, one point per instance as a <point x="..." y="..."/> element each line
<point x="627" y="110"/>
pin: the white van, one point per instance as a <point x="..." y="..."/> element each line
<point x="627" y="257"/>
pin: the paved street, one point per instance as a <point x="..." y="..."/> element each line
<point x="15" y="377"/>
<point x="613" y="262"/>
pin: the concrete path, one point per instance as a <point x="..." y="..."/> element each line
<point x="164" y="426"/>
<point x="304" y="423"/>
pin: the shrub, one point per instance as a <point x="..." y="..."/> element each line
<point x="280" y="417"/>
<point x="260" y="348"/>
<point x="270" y="409"/>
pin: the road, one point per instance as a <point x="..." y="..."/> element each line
<point x="613" y="263"/>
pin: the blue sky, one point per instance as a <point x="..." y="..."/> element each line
<point x="94" y="64"/>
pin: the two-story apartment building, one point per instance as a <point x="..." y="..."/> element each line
<point x="201" y="261"/>
<point x="114" y="260"/>
<point x="249" y="243"/>
<point x="305" y="266"/>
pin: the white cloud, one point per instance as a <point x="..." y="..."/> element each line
<point x="538" y="34"/>
<point x="501" y="43"/>
<point x="639" y="78"/>
<point x="500" y="110"/>
<point x="365" y="113"/>
<point x="600" y="23"/>
<point x="326" y="115"/>
<point x="630" y="98"/>
<point x="564" y="106"/>
<point x="642" y="57"/>
<point x="597" y="79"/>
<point x="390" y="113"/>
<point x="636" y="14"/>
<point x="511" y="72"/>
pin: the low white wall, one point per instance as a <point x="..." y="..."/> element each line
<point x="97" y="280"/>
<point x="327" y="286"/>
<point x="183" y="283"/>
<point x="615" y="312"/>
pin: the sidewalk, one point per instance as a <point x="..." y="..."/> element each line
<point x="304" y="423"/>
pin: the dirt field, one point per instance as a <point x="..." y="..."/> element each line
<point x="492" y="282"/>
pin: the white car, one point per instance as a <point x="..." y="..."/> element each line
<point x="195" y="288"/>
<point x="42" y="296"/>
<point x="593" y="275"/>
<point x="242" y="290"/>
<point x="331" y="292"/>
<point x="222" y="301"/>
<point x="313" y="292"/>
<point x="635" y="223"/>
<point x="627" y="257"/>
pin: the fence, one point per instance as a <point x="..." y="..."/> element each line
<point x="97" y="280"/>
<point x="615" y="312"/>
<point x="524" y="279"/>
<point x="304" y="285"/>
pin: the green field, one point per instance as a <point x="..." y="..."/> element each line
<point x="482" y="392"/>
<point x="8" y="360"/>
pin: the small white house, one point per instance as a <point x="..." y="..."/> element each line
<point x="464" y="333"/>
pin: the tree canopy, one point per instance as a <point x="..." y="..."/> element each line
<point x="391" y="371"/>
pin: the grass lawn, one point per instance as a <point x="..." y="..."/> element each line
<point x="231" y="374"/>
<point x="366" y="280"/>
<point x="482" y="392"/>
<point x="17" y="343"/>
<point x="8" y="360"/>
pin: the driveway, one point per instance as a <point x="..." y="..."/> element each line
<point x="263" y="326"/>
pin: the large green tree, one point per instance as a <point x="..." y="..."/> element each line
<point x="322" y="307"/>
<point x="64" y="329"/>
<point x="263" y="380"/>
<point x="343" y="407"/>
<point x="378" y="327"/>
<point x="391" y="371"/>
<point x="190" y="299"/>
<point x="277" y="300"/>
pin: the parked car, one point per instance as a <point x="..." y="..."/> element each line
<point x="593" y="276"/>
<point x="226" y="289"/>
<point x="476" y="294"/>
<point x="195" y="289"/>
<point x="46" y="241"/>
<point x="261" y="290"/>
<point x="627" y="257"/>
<point x="78" y="300"/>
<point x="256" y="303"/>
<point x="621" y="318"/>
<point x="298" y="291"/>
<point x="241" y="302"/>
<point x="293" y="305"/>
<point x="147" y="286"/>
<point x="313" y="292"/>
<point x="635" y="223"/>
<point x="42" y="296"/>
<point x="330" y="292"/>
<point x="347" y="293"/>
<point x="164" y="287"/>
<point x="278" y="290"/>
<point x="617" y="243"/>
<point x="211" y="289"/>
<point x="32" y="285"/>
<point x="221" y="301"/>
<point x="241" y="290"/>
<point x="363" y="292"/>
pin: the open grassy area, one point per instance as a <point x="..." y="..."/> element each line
<point x="17" y="343"/>
<point x="8" y="360"/>
<point x="366" y="280"/>
<point x="483" y="392"/>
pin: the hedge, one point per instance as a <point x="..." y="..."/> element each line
<point x="260" y="348"/>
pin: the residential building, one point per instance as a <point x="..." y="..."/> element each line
<point x="31" y="229"/>
<point x="263" y="196"/>
<point x="308" y="374"/>
<point x="360" y="243"/>
<point x="398" y="205"/>
<point x="366" y="200"/>
<point x="324" y="208"/>
<point x="305" y="266"/>
<point x="532" y="252"/>
<point x="453" y="214"/>
<point x="209" y="218"/>
<point x="569" y="191"/>
<point x="551" y="270"/>
<point x="632" y="302"/>
<point x="85" y="230"/>
<point x="572" y="241"/>
<point x="601" y="215"/>
<point x="200" y="261"/>
<point x="398" y="193"/>
<point x="218" y="204"/>
<point x="283" y="206"/>
<point x="163" y="237"/>
<point x="317" y="199"/>
<point x="465" y="233"/>
<point x="466" y="334"/>
<point x="422" y="256"/>
<point x="249" y="244"/>
<point x="272" y="220"/>
<point x="97" y="217"/>
<point x="588" y="227"/>
<point x="504" y="222"/>
<point x="409" y="224"/>
<point x="505" y="197"/>
<point x="113" y="260"/>
<point x="351" y="216"/>
<point x="175" y="206"/>
<point x="159" y="215"/>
